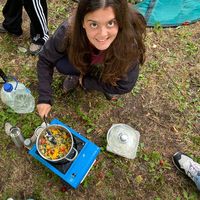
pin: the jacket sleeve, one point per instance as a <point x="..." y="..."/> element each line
<point x="52" y="51"/>
<point x="124" y="85"/>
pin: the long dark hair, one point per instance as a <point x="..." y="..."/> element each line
<point x="127" y="48"/>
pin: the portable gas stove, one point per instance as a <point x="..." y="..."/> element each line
<point x="74" y="172"/>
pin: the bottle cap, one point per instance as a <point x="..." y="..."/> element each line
<point x="27" y="142"/>
<point x="7" y="87"/>
<point x="123" y="137"/>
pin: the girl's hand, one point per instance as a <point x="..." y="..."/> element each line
<point x="43" y="109"/>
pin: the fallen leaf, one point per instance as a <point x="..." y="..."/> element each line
<point x="22" y="49"/>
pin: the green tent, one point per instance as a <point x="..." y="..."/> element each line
<point x="169" y="13"/>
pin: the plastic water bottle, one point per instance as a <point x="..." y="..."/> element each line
<point x="18" y="97"/>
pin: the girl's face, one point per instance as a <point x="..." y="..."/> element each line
<point x="101" y="27"/>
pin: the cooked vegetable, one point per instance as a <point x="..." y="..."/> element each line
<point x="58" y="150"/>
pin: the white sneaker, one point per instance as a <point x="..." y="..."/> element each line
<point x="186" y="165"/>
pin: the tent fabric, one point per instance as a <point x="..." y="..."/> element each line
<point x="169" y="13"/>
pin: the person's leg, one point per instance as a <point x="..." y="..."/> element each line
<point x="65" y="67"/>
<point x="72" y="74"/>
<point x="186" y="165"/>
<point x="72" y="79"/>
<point x="12" y="13"/>
<point x="37" y="12"/>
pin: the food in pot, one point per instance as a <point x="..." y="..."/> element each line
<point x="55" y="151"/>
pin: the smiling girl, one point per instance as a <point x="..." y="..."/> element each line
<point x="100" y="47"/>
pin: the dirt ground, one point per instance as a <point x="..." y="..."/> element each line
<point x="163" y="107"/>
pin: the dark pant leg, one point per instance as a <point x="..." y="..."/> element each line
<point x="12" y="13"/>
<point x="65" y="67"/>
<point x="37" y="12"/>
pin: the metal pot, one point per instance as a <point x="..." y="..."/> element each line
<point x="64" y="158"/>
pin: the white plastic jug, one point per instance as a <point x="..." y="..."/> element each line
<point x="18" y="97"/>
<point x="123" y="140"/>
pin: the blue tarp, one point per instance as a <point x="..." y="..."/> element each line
<point x="169" y="13"/>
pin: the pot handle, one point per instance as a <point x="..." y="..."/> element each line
<point x="76" y="153"/>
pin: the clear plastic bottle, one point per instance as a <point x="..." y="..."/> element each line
<point x="18" y="97"/>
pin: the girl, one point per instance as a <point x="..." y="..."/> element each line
<point x="101" y="47"/>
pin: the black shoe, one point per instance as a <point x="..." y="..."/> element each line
<point x="111" y="97"/>
<point x="2" y="29"/>
<point x="70" y="83"/>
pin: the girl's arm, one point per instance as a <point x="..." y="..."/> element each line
<point x="52" y="51"/>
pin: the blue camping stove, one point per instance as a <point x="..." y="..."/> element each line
<point x="72" y="172"/>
